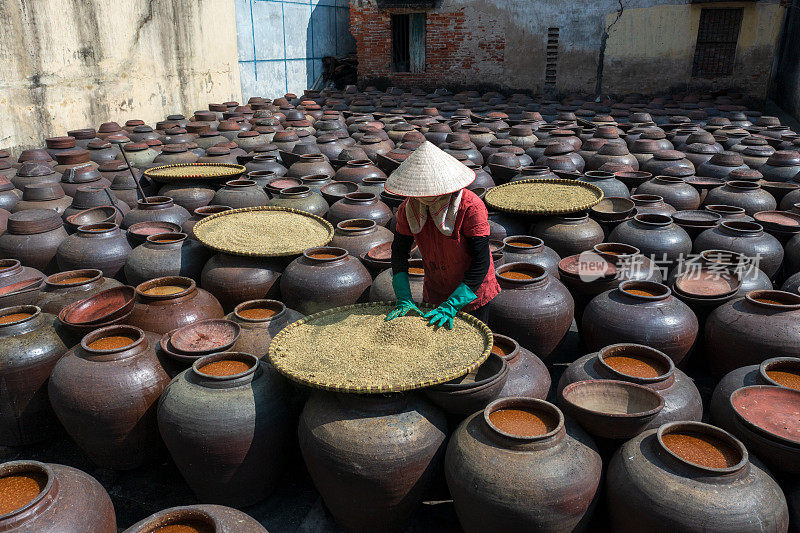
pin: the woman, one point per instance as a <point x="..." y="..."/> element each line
<point x="450" y="225"/>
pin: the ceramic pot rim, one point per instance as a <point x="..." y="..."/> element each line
<point x="506" y="340"/>
<point x="529" y="403"/>
<point x="663" y="291"/>
<point x="173" y="236"/>
<point x="538" y="272"/>
<point x="155" y="201"/>
<point x="94" y="274"/>
<point x="296" y="191"/>
<point x="99" y="228"/>
<point x="625" y="348"/>
<point x="777" y="363"/>
<point x="240" y="183"/>
<point x="647" y="198"/>
<point x="30" y="466"/>
<point x="109" y="331"/>
<point x="339" y="253"/>
<point x="33" y="310"/>
<point x="361" y="196"/>
<point x="704" y="429"/>
<point x="175" y="515"/>
<point x="724" y="208"/>
<point x="653" y="219"/>
<point x="356" y="225"/>
<point x="233" y="356"/>
<point x="9" y="264"/>
<point x="181" y="281"/>
<point x="265" y="303"/>
<point x="535" y="243"/>
<point x="792" y="300"/>
<point x="604" y="249"/>
<point x="206" y="210"/>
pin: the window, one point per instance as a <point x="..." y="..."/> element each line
<point x="717" y="36"/>
<point x="552" y="57"/>
<point x="408" y="42"/>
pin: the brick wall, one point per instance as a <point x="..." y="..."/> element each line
<point x="458" y="50"/>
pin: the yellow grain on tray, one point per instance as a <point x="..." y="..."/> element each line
<point x="541" y="196"/>
<point x="361" y="350"/>
<point x="262" y="232"/>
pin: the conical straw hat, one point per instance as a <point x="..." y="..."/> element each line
<point x="429" y="171"/>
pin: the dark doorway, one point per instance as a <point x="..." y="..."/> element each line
<point x="717" y="37"/>
<point x="408" y="42"/>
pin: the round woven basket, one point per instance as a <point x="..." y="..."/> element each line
<point x="368" y="388"/>
<point x="194" y="171"/>
<point x="491" y="201"/>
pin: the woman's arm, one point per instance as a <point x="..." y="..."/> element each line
<point x="480" y="252"/>
<point x="401" y="251"/>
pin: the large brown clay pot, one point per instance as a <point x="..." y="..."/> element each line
<point x="640" y="364"/>
<point x="526" y="249"/>
<point x="166" y="254"/>
<point x="383" y="291"/>
<point x="205" y="517"/>
<point x="745" y="194"/>
<point x="323" y="278"/>
<point x="259" y="321"/>
<point x="43" y="196"/>
<point x="234" y="279"/>
<point x="748" y="330"/>
<point x="545" y="480"/>
<point x="226" y="424"/>
<point x="200" y="213"/>
<point x="654" y="485"/>
<point x="569" y="234"/>
<point x="104" y="392"/>
<point x="302" y="198"/>
<point x="187" y="194"/>
<point x="640" y="312"/>
<point x="747" y="238"/>
<point x="164" y="304"/>
<point x="239" y="194"/>
<point x="371" y="457"/>
<point x="156" y="208"/>
<point x="360" y="235"/>
<point x="360" y="205"/>
<point x="675" y="191"/>
<point x="19" y="283"/>
<point x="656" y="236"/>
<point x="31" y="343"/>
<point x="100" y="246"/>
<point x="533" y="307"/>
<point x="472" y="392"/>
<point x="358" y="169"/>
<point x="33" y="237"/>
<point x="527" y="374"/>
<point x="651" y="203"/>
<point x="68" y="500"/>
<point x="64" y="288"/>
<point x="310" y="164"/>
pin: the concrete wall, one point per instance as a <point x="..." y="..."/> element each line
<point x="786" y="84"/>
<point x="68" y="64"/>
<point x="649" y="44"/>
<point x="282" y="43"/>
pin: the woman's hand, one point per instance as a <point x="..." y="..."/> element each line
<point x="402" y="291"/>
<point x="444" y="314"/>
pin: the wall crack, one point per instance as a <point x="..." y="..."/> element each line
<point x="602" y="55"/>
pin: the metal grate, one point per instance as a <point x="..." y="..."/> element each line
<point x="552" y="57"/>
<point x="717" y="38"/>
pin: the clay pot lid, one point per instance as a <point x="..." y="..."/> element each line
<point x="134" y="122"/>
<point x="60" y="142"/>
<point x="83" y="134"/>
<point x="118" y="138"/>
<point x="144" y="128"/>
<point x="247" y="134"/>
<point x="769" y="411"/>
<point x="81" y="174"/>
<point x="755" y="140"/>
<point x="109" y="127"/>
<point x="34" y="154"/>
<point x="98" y="144"/>
<point x="644" y="146"/>
<point x="73" y="157"/>
<point x="668" y="155"/>
<point x="42" y="192"/>
<point x="174" y="148"/>
<point x="260" y="149"/>
<point x="217" y="107"/>
<point x="204" y="337"/>
<point x="701" y="148"/>
<point x="706" y="282"/>
<point x="702" y="182"/>
<point x="759" y="151"/>
<point x="199" y="128"/>
<point x="32" y="221"/>
<point x="228" y="125"/>
<point x="177" y="130"/>
<point x="727" y="159"/>
<point x="164" y="125"/>
<point x="613" y="149"/>
<point x="696" y="218"/>
<point x="99" y="308"/>
<point x="588" y="267"/>
<point x="745" y="174"/>
<point x="34" y="170"/>
<point x="784" y="158"/>
<point x="5" y="183"/>
<point x="779" y="220"/>
<point x="135" y="147"/>
<point x="381" y="252"/>
<point x="285" y="136"/>
<point x="218" y="151"/>
<point x="115" y="165"/>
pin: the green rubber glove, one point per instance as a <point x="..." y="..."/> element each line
<point x="402" y="291"/>
<point x="444" y="314"/>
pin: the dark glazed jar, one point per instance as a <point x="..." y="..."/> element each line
<point x="651" y="204"/>
<point x="689" y="477"/>
<point x="156" y="208"/>
<point x="720" y="165"/>
<point x="640" y="312"/>
<point x="360" y="205"/>
<point x="356" y="447"/>
<point x="656" y="236"/>
<point x="31" y="343"/>
<point x="226" y="423"/>
<point x="200" y="213"/>
<point x="526" y="249"/>
<point x="43" y="196"/>
<point x="260" y="321"/>
<point x="163" y="304"/>
<point x="104" y="392"/>
<point x="101" y="246"/>
<point x="324" y="278"/>
<point x="533" y="307"/>
<point x="527" y="374"/>
<point x="519" y="465"/>
<point x="301" y="198"/>
<point x="188" y="194"/>
<point x="640" y="364"/>
<point x="241" y="193"/>
<point x="234" y="279"/>
<point x="68" y="501"/>
<point x="64" y="288"/>
<point x="674" y="191"/>
<point x="664" y="159"/>
<point x="745" y="194"/>
<point x="356" y="170"/>
<point x="33" y="237"/>
<point x="606" y="182"/>
<point x="746" y="238"/>
<point x="15" y="276"/>
<point x="206" y="517"/>
<point x="748" y="330"/>
<point x="166" y="254"/>
<point x="309" y="165"/>
<point x="9" y="196"/>
<point x="360" y="235"/>
<point x="783" y="165"/>
<point x="569" y="234"/>
<point x="383" y="291"/>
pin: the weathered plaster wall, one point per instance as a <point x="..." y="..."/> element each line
<point x="504" y="42"/>
<point x="68" y="64"/>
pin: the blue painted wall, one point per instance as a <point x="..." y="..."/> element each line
<point x="282" y="43"/>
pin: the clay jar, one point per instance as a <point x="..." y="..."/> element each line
<point x="8" y="194"/>
<point x="527" y="249"/>
<point x="371" y="456"/>
<point x="783" y="165"/>
<point x="15" y="276"/>
<point x="359" y="205"/>
<point x="234" y="279"/>
<point x="527" y="374"/>
<point x="471" y="392"/>
<point x="606" y="182"/>
<point x="200" y="213"/>
<point x="720" y="165"/>
<point x="199" y="518"/>
<point x="104" y="392"/>
<point x="640" y="312"/>
<point x="664" y="159"/>
<point x="167" y="303"/>
<point x="356" y="170"/>
<point x="746" y="238"/>
<point x="310" y="164"/>
<point x="533" y="307"/>
<point x="656" y="236"/>
<point x="640" y="364"/>
<point x="188" y="195"/>
<point x="324" y="278"/>
<point x="156" y="208"/>
<point x="569" y="234"/>
<point x="675" y="191"/>
<point x="31" y="343"/>
<point x="301" y="198"/>
<point x="651" y="204"/>
<point x="166" y="254"/>
<point x="68" y="500"/>
<point x="64" y="288"/>
<point x="260" y="321"/>
<point x="43" y="196"/>
<point x="226" y="424"/>
<point x="745" y="194"/>
<point x="730" y="490"/>
<point x="101" y="246"/>
<point x="508" y="475"/>
<point x="382" y="290"/>
<point x="33" y="237"/>
<point x="240" y="193"/>
<point x="358" y="236"/>
<point x="748" y="330"/>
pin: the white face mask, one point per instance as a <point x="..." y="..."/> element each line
<point x="427" y="200"/>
